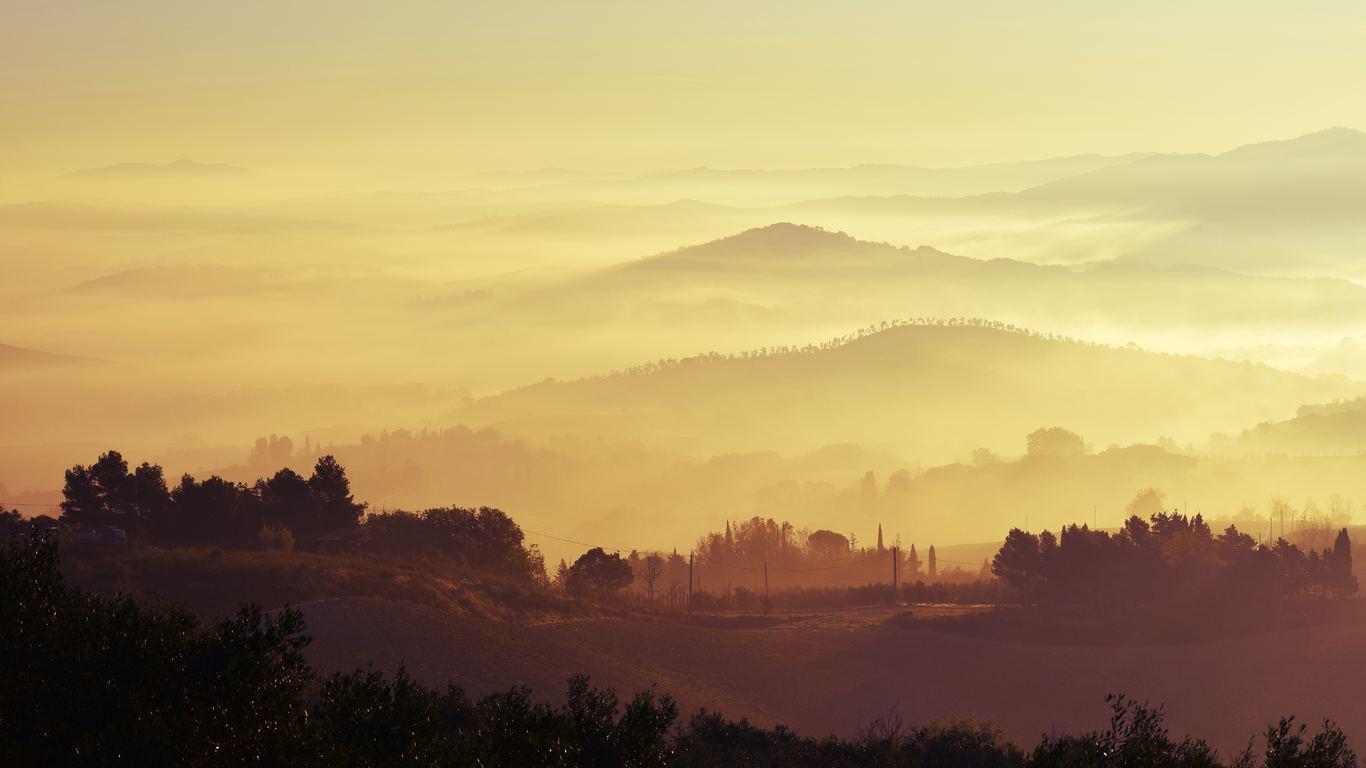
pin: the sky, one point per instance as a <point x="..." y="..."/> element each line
<point x="411" y="90"/>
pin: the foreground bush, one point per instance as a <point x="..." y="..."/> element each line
<point x="91" y="681"/>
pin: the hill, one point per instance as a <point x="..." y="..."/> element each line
<point x="1333" y="429"/>
<point x="1278" y="207"/>
<point x="21" y="358"/>
<point x="1325" y="165"/>
<point x="79" y="217"/>
<point x="759" y="187"/>
<point x="1281" y="207"/>
<point x="180" y="170"/>
<point x="786" y="284"/>
<point x="932" y="392"/>
<point x="801" y="271"/>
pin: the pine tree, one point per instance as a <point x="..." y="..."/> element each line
<point x="934" y="566"/>
<point x="1340" y="564"/>
<point x="562" y="575"/>
<point x="914" y="562"/>
<point x="880" y="549"/>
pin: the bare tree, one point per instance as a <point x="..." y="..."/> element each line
<point x="650" y="567"/>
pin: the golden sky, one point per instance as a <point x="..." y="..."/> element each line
<point x="411" y="89"/>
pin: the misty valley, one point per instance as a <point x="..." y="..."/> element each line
<point x="657" y="386"/>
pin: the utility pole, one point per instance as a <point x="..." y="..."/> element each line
<point x="690" y="582"/>
<point x="766" y="603"/>
<point x="896" y="563"/>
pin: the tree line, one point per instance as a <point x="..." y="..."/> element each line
<point x="664" y="364"/>
<point x="279" y="511"/>
<point x="214" y="511"/>
<point x="1169" y="559"/>
<point x="89" y="681"/>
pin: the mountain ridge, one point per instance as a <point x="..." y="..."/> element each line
<point x="175" y="169"/>
<point x="891" y="388"/>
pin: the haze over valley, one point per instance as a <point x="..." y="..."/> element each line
<point x="802" y="385"/>
<point x="912" y="314"/>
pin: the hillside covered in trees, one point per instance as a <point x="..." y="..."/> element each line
<point x="875" y="389"/>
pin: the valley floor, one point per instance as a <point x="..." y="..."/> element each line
<point x="837" y="672"/>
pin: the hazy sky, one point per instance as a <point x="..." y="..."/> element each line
<point x="411" y="88"/>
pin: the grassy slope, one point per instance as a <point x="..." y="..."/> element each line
<point x="817" y="672"/>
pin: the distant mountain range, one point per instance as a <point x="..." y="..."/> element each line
<point x="1288" y="207"/>
<point x="77" y="218"/>
<point x="797" y="274"/>
<point x="175" y="170"/>
<point x="1281" y="207"/>
<point x="22" y="358"/>
<point x="754" y="186"/>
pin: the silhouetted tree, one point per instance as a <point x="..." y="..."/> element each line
<point x="1173" y="561"/>
<point x="11" y="522"/>
<point x="598" y="573"/>
<point x="106" y="493"/>
<point x="1340" y="577"/>
<point x="214" y="511"/>
<point x="1054" y="441"/>
<point x="828" y="544"/>
<point x="1287" y="747"/>
<point x="651" y="566"/>
<point x="337" y="510"/>
<point x="562" y="575"/>
<point x="287" y="501"/>
<point x="1017" y="562"/>
<point x="484" y="538"/>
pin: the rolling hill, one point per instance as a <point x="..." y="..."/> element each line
<point x="930" y="392"/>
<point x="23" y="359"/>
<point x="178" y="170"/>
<point x="815" y="280"/>
<point x="80" y="217"/>
<point x="1289" y="207"/>
<point x="1316" y="176"/>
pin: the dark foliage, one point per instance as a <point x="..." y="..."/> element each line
<point x="1169" y="562"/>
<point x="597" y="573"/>
<point x="93" y="681"/>
<point x="319" y="511"/>
<point x="483" y="538"/>
<point x="212" y="512"/>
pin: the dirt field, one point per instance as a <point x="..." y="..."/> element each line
<point x="835" y="672"/>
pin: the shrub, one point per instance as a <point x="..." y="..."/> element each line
<point x="276" y="537"/>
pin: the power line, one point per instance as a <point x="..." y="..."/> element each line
<point x="572" y="541"/>
<point x="826" y="567"/>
